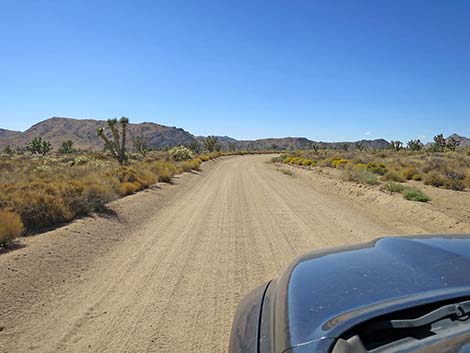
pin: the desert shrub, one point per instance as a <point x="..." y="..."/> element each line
<point x="359" y="166"/>
<point x="277" y="159"/>
<point x="393" y="175"/>
<point x="307" y="162"/>
<point x="467" y="181"/>
<point x="435" y="179"/>
<point x="180" y="153"/>
<point x="408" y="172"/>
<point x="377" y="168"/>
<point x="417" y="177"/>
<point x="327" y="162"/>
<point x="41" y="206"/>
<point x="393" y="187"/>
<point x="454" y="184"/>
<point x="128" y="188"/>
<point x="11" y="226"/>
<point x="285" y="171"/>
<point x="414" y="194"/>
<point x="455" y="178"/>
<point x="187" y="166"/>
<point x="339" y="163"/>
<point x="361" y="176"/>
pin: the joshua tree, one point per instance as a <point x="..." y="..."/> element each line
<point x="360" y="146"/>
<point x="8" y="150"/>
<point x="452" y="144"/>
<point x="415" y="145"/>
<point x="211" y="143"/>
<point x="140" y="145"/>
<point x="345" y="147"/>
<point x="39" y="146"/>
<point x="439" y="143"/>
<point x="118" y="145"/>
<point x="66" y="147"/>
<point x="396" y="145"/>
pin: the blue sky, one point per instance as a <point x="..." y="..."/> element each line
<point x="327" y="70"/>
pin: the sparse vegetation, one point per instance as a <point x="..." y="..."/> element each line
<point x="446" y="168"/>
<point x="409" y="192"/>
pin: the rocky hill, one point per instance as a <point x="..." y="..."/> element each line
<point x="8" y="133"/>
<point x="83" y="134"/>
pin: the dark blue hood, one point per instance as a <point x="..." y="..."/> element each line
<point x="323" y="294"/>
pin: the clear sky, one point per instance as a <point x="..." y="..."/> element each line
<point x="328" y="70"/>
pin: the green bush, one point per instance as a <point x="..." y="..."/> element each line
<point x="414" y="194"/>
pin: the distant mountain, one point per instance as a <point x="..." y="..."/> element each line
<point x="8" y="133"/>
<point x="464" y="141"/>
<point x="289" y="143"/>
<point x="83" y="134"/>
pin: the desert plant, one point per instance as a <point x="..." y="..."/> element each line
<point x="396" y="145"/>
<point x="140" y="145"/>
<point x="361" y="176"/>
<point x="415" y="145"/>
<point x="435" y="179"/>
<point x="195" y="147"/>
<point x="414" y="194"/>
<point x="180" y="153"/>
<point x="39" y="146"/>
<point x="393" y="175"/>
<point x="8" y="150"/>
<point x="11" y="226"/>
<point x="452" y="144"/>
<point x="232" y="147"/>
<point x="118" y="146"/>
<point x="439" y="144"/>
<point x="211" y="143"/>
<point x="360" y="147"/>
<point x="393" y="187"/>
<point x="66" y="147"/>
<point x="409" y="172"/>
<point x="377" y="168"/>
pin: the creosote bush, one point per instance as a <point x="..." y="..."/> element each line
<point x="11" y="226"/>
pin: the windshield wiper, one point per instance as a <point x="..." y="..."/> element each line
<point x="459" y="310"/>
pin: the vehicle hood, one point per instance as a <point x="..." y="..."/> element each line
<point x="324" y="293"/>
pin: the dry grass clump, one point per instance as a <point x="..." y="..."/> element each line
<point x="361" y="176"/>
<point x="11" y="226"/>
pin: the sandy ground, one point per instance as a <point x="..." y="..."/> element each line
<point x="164" y="271"/>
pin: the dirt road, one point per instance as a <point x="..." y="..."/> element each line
<point x="166" y="271"/>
